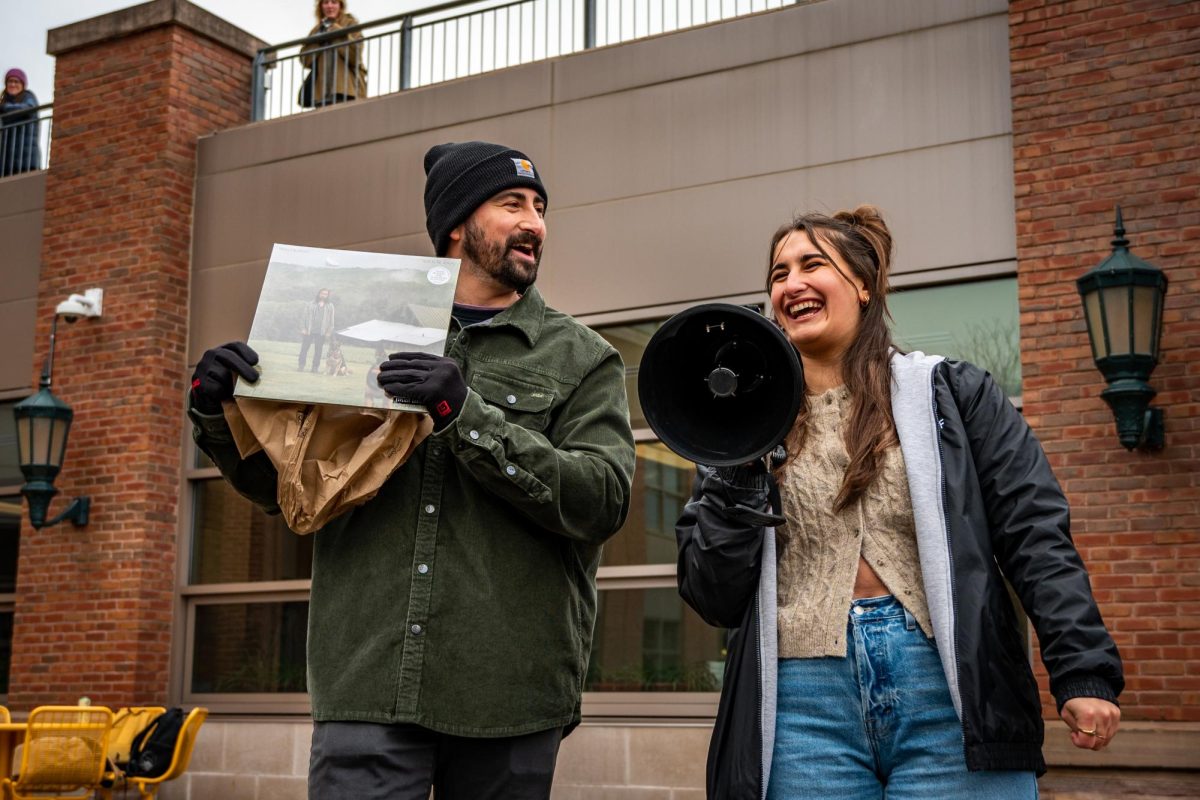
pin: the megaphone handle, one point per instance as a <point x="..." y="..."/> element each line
<point x="777" y="457"/>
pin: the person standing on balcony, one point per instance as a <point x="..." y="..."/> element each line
<point x="336" y="70"/>
<point x="19" y="151"/>
<point x="878" y="653"/>
<point x="451" y="616"/>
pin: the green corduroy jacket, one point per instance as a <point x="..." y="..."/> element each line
<point x="462" y="596"/>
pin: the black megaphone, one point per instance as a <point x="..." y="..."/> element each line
<point x="720" y="384"/>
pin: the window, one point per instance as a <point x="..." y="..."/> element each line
<point x="248" y="576"/>
<point x="649" y="640"/>
<point x="249" y="648"/>
<point x="10" y="470"/>
<point x="976" y="322"/>
<point x="10" y="534"/>
<point x="246" y="602"/>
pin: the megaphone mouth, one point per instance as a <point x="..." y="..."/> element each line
<point x="751" y="392"/>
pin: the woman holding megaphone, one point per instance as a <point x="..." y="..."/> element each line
<point x="877" y="651"/>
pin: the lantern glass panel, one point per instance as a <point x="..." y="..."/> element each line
<point x="1095" y="323"/>
<point x="1145" y="309"/>
<point x="1116" y="320"/>
<point x="23" y="440"/>
<point x="43" y="427"/>
<point x="58" y="442"/>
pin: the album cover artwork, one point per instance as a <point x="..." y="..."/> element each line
<point x="326" y="319"/>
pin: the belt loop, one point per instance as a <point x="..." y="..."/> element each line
<point x="910" y="622"/>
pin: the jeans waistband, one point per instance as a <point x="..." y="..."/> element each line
<point x="868" y="609"/>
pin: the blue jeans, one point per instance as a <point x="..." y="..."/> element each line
<point x="877" y="724"/>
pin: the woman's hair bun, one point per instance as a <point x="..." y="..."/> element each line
<point x="868" y="221"/>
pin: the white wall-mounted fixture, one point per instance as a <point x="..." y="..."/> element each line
<point x="76" y="306"/>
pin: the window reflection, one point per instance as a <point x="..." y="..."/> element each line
<point x="233" y="541"/>
<point x="6" y="631"/>
<point x="630" y="341"/>
<point x="10" y="542"/>
<point x="250" y="647"/>
<point x="10" y="470"/>
<point x="976" y="322"/>
<point x="662" y="484"/>
<point x="649" y="640"/>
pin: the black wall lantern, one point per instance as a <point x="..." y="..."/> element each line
<point x="43" y="422"/>
<point x="1123" y="302"/>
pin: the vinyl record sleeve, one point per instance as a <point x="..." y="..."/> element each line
<point x="326" y="319"/>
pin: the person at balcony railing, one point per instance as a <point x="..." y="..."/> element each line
<point x="878" y="653"/>
<point x="19" y="151"/>
<point x="336" y="72"/>
<point x="451" y="616"/>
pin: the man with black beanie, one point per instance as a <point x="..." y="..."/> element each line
<point x="450" y="617"/>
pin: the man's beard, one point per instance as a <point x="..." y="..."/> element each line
<point x="496" y="261"/>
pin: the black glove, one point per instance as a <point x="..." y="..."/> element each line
<point x="747" y="475"/>
<point x="435" y="382"/>
<point x="212" y="382"/>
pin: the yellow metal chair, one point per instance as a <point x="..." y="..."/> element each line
<point x="63" y="755"/>
<point x="148" y="787"/>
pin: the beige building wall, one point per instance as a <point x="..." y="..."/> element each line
<point x="669" y="161"/>
<point x="22" y="198"/>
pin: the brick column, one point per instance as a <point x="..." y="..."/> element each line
<point x="1105" y="99"/>
<point x="133" y="91"/>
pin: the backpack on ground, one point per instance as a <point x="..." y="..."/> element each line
<point x="151" y="752"/>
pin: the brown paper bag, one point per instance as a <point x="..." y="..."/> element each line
<point x="329" y="458"/>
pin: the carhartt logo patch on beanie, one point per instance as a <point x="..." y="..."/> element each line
<point x="460" y="176"/>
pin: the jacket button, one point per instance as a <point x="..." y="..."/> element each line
<point x="512" y="398"/>
<point x="417" y="630"/>
<point x="474" y="435"/>
<point x="423" y="569"/>
<point x="429" y="509"/>
<point x="510" y="469"/>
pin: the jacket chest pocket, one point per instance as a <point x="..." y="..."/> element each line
<point x="524" y="403"/>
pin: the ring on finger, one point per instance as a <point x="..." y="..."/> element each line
<point x="1092" y="732"/>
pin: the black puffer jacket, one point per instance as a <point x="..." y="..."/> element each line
<point x="986" y="507"/>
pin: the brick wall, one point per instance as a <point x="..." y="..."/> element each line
<point x="95" y="608"/>
<point x="1106" y="110"/>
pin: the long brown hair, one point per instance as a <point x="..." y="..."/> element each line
<point x="862" y="239"/>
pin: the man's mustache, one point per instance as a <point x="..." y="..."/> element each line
<point x="534" y="242"/>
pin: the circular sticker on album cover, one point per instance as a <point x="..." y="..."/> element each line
<point x="438" y="275"/>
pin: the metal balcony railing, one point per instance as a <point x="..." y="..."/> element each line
<point x="25" y="140"/>
<point x="454" y="40"/>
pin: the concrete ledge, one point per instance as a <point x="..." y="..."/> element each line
<point x="1143" y="745"/>
<point x="151" y="15"/>
<point x="1118" y="784"/>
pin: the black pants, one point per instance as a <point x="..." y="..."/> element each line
<point x="367" y="761"/>
<point x="312" y="339"/>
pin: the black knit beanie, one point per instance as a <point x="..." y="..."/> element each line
<point x="460" y="176"/>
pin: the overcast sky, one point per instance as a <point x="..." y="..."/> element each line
<point x="23" y="37"/>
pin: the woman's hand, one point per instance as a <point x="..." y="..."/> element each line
<point x="1093" y="722"/>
